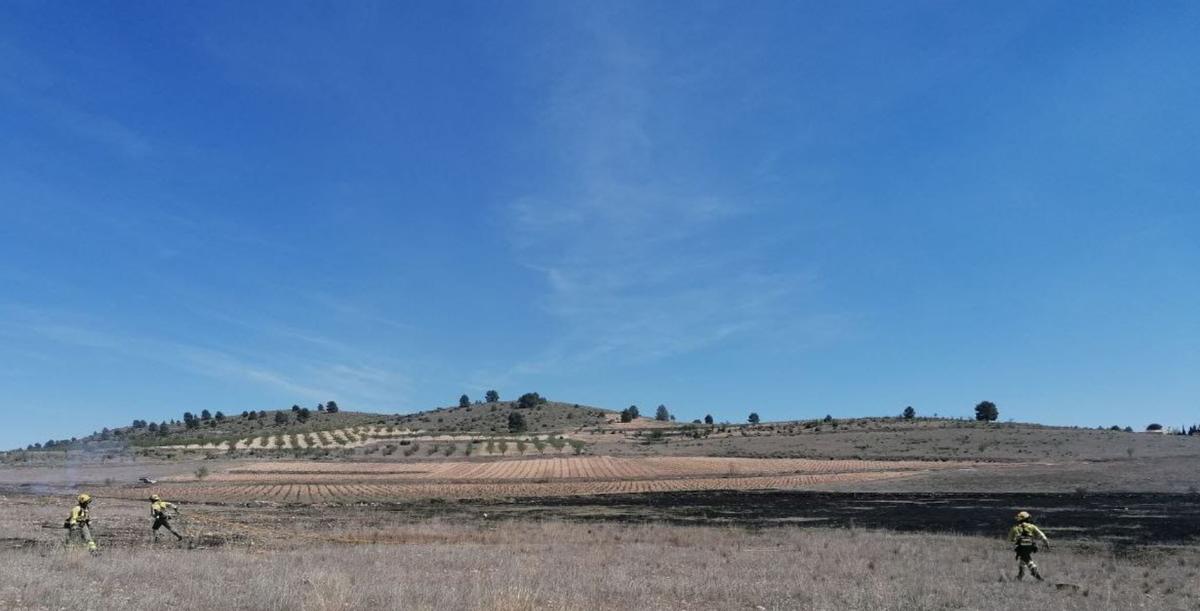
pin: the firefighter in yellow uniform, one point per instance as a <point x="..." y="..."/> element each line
<point x="80" y="523"/>
<point x="158" y="511"/>
<point x="1025" y="538"/>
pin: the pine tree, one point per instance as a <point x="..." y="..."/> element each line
<point x="986" y="411"/>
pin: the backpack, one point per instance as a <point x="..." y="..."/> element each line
<point x="1025" y="538"/>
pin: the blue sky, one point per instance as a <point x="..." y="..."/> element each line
<point x="791" y="208"/>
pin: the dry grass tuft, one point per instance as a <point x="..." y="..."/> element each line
<point x="539" y="565"/>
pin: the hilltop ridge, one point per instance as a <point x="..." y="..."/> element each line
<point x="541" y="416"/>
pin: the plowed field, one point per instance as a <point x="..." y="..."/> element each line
<point x="320" y="482"/>
<point x="576" y="467"/>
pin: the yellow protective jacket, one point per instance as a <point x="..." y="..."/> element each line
<point x="1026" y="529"/>
<point x="158" y="509"/>
<point x="79" y="515"/>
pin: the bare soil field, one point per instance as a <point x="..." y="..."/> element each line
<point x="328" y="482"/>
<point x="376" y="492"/>
<point x="71" y="474"/>
<point x="580" y="467"/>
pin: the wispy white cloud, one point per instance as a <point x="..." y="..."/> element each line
<point x="358" y="312"/>
<point x="98" y="128"/>
<point x="637" y="248"/>
<point x="32" y="84"/>
<point x="222" y="365"/>
<point x="336" y="372"/>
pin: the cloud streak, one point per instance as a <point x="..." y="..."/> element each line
<point x="639" y="253"/>
<point x="337" y="373"/>
<point x="30" y="83"/>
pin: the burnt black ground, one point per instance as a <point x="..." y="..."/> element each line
<point x="1133" y="518"/>
<point x="1120" y="519"/>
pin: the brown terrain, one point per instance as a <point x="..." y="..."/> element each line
<point x="364" y="484"/>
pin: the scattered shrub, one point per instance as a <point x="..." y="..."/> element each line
<point x="516" y="422"/>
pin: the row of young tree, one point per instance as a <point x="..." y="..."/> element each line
<point x="302" y="414"/>
<point x="190" y="421"/>
<point x="193" y="421"/>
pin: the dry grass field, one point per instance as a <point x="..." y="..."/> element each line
<point x="551" y="565"/>
<point x="898" y="439"/>
<point x="1175" y="475"/>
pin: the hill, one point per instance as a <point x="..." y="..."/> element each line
<point x="482" y="429"/>
<point x="209" y="430"/>
<point x="901" y="439"/>
<point x="542" y="417"/>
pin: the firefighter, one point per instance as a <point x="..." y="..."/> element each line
<point x="80" y="523"/>
<point x="1025" y="538"/>
<point x="158" y="511"/>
